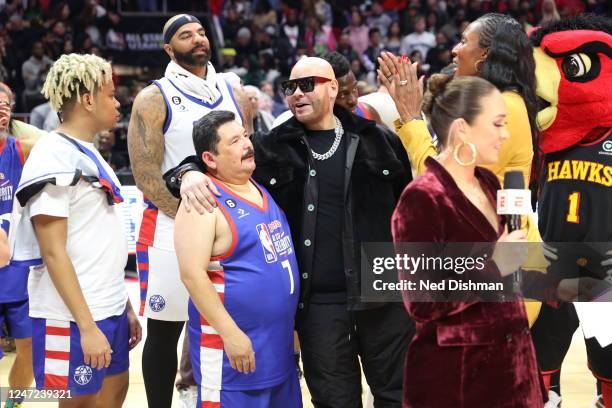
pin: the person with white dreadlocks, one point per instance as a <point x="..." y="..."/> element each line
<point x="83" y="323"/>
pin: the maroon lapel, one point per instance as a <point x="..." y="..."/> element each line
<point x="462" y="205"/>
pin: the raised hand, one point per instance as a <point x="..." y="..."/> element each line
<point x="399" y="76"/>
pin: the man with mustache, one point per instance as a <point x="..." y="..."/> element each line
<point x="337" y="177"/>
<point x="239" y="266"/>
<point x="159" y="137"/>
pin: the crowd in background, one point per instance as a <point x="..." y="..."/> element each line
<point x="260" y="40"/>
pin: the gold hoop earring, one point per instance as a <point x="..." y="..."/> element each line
<point x="478" y="65"/>
<point x="472" y="149"/>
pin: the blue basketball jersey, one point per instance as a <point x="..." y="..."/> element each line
<point x="14" y="276"/>
<point x="258" y="283"/>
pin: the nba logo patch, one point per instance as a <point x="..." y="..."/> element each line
<point x="266" y="243"/>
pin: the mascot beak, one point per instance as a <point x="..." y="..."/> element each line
<point x="548" y="79"/>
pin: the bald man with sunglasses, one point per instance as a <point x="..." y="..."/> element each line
<point x="337" y="177"/>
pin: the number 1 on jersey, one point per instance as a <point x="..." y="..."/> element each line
<point x="574" y="208"/>
<point x="287" y="265"/>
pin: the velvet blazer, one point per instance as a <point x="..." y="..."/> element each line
<point x="464" y="354"/>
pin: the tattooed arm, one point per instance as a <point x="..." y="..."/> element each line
<point x="146" y="148"/>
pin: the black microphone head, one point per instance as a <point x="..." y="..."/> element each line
<point x="514" y="180"/>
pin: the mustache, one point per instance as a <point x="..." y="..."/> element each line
<point x="248" y="154"/>
<point x="200" y="48"/>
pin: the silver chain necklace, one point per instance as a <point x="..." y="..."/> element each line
<point x="339" y="130"/>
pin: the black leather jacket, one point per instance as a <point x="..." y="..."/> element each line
<point x="376" y="171"/>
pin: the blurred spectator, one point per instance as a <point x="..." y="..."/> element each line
<point x="358" y="70"/>
<point x="318" y="39"/>
<point x="242" y="7"/>
<point x="68" y="47"/>
<point x="125" y="99"/>
<point x="422" y="67"/>
<point x="254" y="74"/>
<point x="90" y="21"/>
<point x="514" y="9"/>
<point x="291" y="28"/>
<point x="393" y="41"/>
<point x="526" y="15"/>
<point x="452" y="29"/>
<point x="549" y="12"/>
<point x="358" y="32"/>
<point x="408" y="16"/>
<point x="439" y="56"/>
<point x="432" y="22"/>
<point x="268" y="89"/>
<point x="44" y="117"/>
<point x="279" y="104"/>
<point x="83" y="43"/>
<point x="475" y="9"/>
<point x="371" y="54"/>
<point x="264" y="14"/>
<point x="378" y="18"/>
<point x="22" y="36"/>
<point x="231" y="25"/>
<point x="228" y="61"/>
<point x="345" y="48"/>
<point x="263" y="39"/>
<point x="419" y="40"/>
<point x="324" y="11"/>
<point x="267" y="64"/>
<point x="262" y="120"/>
<point x="34" y="72"/>
<point x="265" y="100"/>
<point x="275" y="53"/>
<point x="55" y="39"/>
<point x="7" y="59"/>
<point x="440" y="9"/>
<point x="243" y="44"/>
<point x="105" y="141"/>
<point x="61" y="12"/>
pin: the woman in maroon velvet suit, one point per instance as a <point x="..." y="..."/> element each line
<point x="464" y="354"/>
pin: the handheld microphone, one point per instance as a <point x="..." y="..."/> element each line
<point x="514" y="200"/>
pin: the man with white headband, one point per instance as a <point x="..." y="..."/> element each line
<point x="159" y="137"/>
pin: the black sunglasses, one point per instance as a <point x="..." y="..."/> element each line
<point x="306" y="84"/>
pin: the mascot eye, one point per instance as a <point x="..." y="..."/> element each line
<point x="576" y="65"/>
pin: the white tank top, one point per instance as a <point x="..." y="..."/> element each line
<point x="157" y="229"/>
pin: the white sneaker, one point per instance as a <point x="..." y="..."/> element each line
<point x="188" y="397"/>
<point x="554" y="400"/>
<point x="598" y="402"/>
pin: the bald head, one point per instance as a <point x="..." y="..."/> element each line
<point x="314" y="108"/>
<point x="312" y="66"/>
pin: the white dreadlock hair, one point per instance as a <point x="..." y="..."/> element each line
<point x="72" y="75"/>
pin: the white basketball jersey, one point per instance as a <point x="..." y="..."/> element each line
<point x="183" y="110"/>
